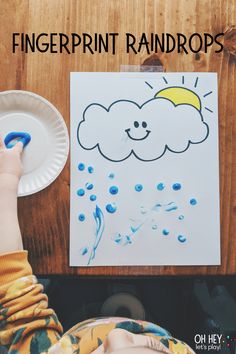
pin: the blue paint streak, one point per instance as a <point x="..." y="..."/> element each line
<point x="113" y="190"/>
<point x="100" y="225"/>
<point x="193" y="201"/>
<point x="81" y="166"/>
<point x="157" y="207"/>
<point x="128" y="240"/>
<point x="135" y="229"/>
<point x="171" y="206"/>
<point x="111" y="208"/>
<point x="176" y="186"/>
<point x="80" y="192"/>
<point x="93" y="197"/>
<point x="138" y="187"/>
<point x="182" y="238"/>
<point x="90" y="169"/>
<point x="160" y="186"/>
<point x="89" y="186"/>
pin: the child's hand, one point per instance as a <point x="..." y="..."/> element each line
<point x="10" y="161"/>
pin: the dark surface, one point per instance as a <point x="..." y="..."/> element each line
<point x="168" y="302"/>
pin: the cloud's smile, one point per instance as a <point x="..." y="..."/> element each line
<point x="131" y="137"/>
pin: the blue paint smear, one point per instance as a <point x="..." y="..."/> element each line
<point x="138" y="187"/>
<point x="84" y="251"/>
<point x="182" y="238"/>
<point x="81" y="217"/>
<point x="128" y="240"/>
<point x="113" y="190"/>
<point x="157" y="207"/>
<point x="118" y="238"/>
<point x="165" y="232"/>
<point x="160" y="186"/>
<point x="135" y="229"/>
<point x="89" y="186"/>
<point x="90" y="169"/>
<point x="181" y="217"/>
<point x="93" y="197"/>
<point x="111" y="208"/>
<point x="193" y="201"/>
<point x="176" y="186"/>
<point x="143" y="210"/>
<point x="111" y="175"/>
<point x="100" y="224"/>
<point x="171" y="206"/>
<point x="80" y="192"/>
<point x="81" y="166"/>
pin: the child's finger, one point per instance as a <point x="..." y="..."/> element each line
<point x="2" y="146"/>
<point x="18" y="147"/>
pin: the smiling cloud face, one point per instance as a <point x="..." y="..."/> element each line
<point x="146" y="131"/>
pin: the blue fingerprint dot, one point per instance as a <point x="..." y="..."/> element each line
<point x="92" y="197"/>
<point x="154" y="227"/>
<point x="176" y="186"/>
<point x="89" y="186"/>
<point x="182" y="238"/>
<point x="84" y="251"/>
<point x="111" y="208"/>
<point x="80" y="192"/>
<point x="111" y="175"/>
<point x="181" y="217"/>
<point x="165" y="232"/>
<point x="113" y="190"/>
<point x="81" y="217"/>
<point x="138" y="187"/>
<point x="81" y="166"/>
<point x="193" y="201"/>
<point x="160" y="186"/>
<point x="90" y="169"/>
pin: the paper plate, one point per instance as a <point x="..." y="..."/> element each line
<point x="46" y="154"/>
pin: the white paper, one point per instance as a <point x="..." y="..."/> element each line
<point x="148" y="143"/>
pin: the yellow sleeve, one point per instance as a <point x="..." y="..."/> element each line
<point x="27" y="325"/>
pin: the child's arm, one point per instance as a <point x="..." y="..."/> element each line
<point x="26" y="323"/>
<point x="10" y="172"/>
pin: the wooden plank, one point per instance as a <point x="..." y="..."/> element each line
<point x="44" y="217"/>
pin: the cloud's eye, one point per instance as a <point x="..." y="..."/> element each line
<point x="144" y="124"/>
<point x="136" y="124"/>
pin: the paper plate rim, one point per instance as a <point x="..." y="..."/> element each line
<point x="60" y="117"/>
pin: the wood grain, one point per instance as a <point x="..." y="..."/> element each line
<point x="44" y="216"/>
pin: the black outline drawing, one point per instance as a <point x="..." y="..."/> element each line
<point x="166" y="148"/>
<point x="137" y="139"/>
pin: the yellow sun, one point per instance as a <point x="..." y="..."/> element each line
<point x="180" y="95"/>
